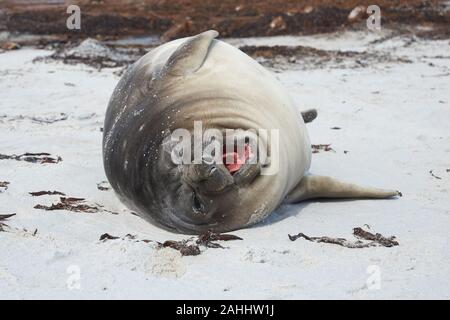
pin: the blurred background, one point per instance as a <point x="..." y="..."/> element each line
<point x="232" y="18"/>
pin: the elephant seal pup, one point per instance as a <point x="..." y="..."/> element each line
<point x="200" y="79"/>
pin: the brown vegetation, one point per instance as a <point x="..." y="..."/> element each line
<point x="171" y="19"/>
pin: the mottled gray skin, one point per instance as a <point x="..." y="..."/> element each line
<point x="200" y="78"/>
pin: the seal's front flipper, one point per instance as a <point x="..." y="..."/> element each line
<point x="309" y="115"/>
<point x="190" y="55"/>
<point x="325" y="187"/>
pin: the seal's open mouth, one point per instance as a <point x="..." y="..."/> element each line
<point x="233" y="161"/>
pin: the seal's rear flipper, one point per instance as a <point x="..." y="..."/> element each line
<point x="190" y="55"/>
<point x="309" y="115"/>
<point x="325" y="187"/>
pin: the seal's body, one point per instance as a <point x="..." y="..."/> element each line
<point x="203" y="79"/>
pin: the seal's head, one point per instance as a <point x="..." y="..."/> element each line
<point x="210" y="193"/>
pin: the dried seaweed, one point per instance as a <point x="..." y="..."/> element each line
<point x="71" y="204"/>
<point x="4" y="185"/>
<point x="378" y="238"/>
<point x="316" y="148"/>
<point x="4" y="217"/>
<point x="339" y="241"/>
<point x="103" y="186"/>
<point x="375" y="240"/>
<point x="41" y="157"/>
<point x="207" y="238"/>
<point x="187" y="247"/>
<point x="434" y="176"/>
<point x="283" y="57"/>
<point x="107" y="236"/>
<point x="183" y="246"/>
<point x="50" y="193"/>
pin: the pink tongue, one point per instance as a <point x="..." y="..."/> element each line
<point x="238" y="160"/>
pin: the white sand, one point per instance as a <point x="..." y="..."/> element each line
<point x="395" y="122"/>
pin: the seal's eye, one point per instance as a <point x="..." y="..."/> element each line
<point x="197" y="205"/>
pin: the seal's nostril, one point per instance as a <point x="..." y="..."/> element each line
<point x="197" y="205"/>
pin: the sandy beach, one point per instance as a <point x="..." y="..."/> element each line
<point x="386" y="120"/>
